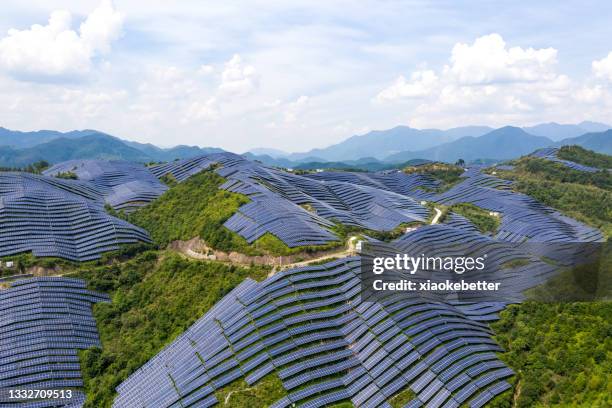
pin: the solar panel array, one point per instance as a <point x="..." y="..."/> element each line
<point x="522" y="217"/>
<point x="59" y="218"/>
<point x="124" y="185"/>
<point x="300" y="210"/>
<point x="43" y="324"/>
<point x="550" y="153"/>
<point x="310" y="327"/>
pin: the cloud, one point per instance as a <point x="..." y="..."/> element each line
<point x="56" y="50"/>
<point x="484" y="79"/>
<point x="238" y="79"/>
<point x="489" y="61"/>
<point x="603" y="68"/>
<point x="206" y="69"/>
<point x="421" y="84"/>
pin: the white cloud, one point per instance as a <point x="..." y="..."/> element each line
<point x="202" y="110"/>
<point x="603" y="68"/>
<point x="421" y="84"/>
<point x="238" y="79"/>
<point x="206" y="69"/>
<point x="488" y="60"/>
<point x="294" y="108"/>
<point x="481" y="80"/>
<point x="55" y="49"/>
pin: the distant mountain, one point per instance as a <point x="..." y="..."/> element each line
<point x="504" y="143"/>
<point x="600" y="142"/>
<point x="168" y="154"/>
<point x="93" y="146"/>
<point x="556" y="131"/>
<point x="382" y="143"/>
<point x="22" y="148"/>
<point x="17" y="139"/>
<point x="274" y="153"/>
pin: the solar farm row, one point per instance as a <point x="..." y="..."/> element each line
<point x="123" y="185"/>
<point x="550" y="153"/>
<point x="300" y="210"/>
<point x="309" y="327"/>
<point x="58" y="218"/>
<point x="43" y="324"/>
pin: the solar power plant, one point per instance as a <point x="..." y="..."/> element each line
<point x="43" y="324"/>
<point x="309" y="327"/>
<point x="522" y="217"/>
<point x="123" y="185"/>
<point x="300" y="210"/>
<point x="58" y="218"/>
<point x="550" y="153"/>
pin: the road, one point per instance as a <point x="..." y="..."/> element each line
<point x="436" y="217"/>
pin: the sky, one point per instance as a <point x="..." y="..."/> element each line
<point x="295" y="75"/>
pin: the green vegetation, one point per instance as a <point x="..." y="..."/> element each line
<point x="68" y="175"/>
<point x="155" y="297"/>
<point x="198" y="208"/>
<point x="402" y="398"/>
<point x="448" y="174"/>
<point x="347" y="231"/>
<point x="581" y="155"/>
<point x="485" y="222"/>
<point x="35" y="168"/>
<point x="584" y="196"/>
<point x="262" y="394"/>
<point x="562" y="354"/>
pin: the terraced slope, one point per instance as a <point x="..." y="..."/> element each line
<point x="300" y="210"/>
<point x="550" y="153"/>
<point x="58" y="218"/>
<point x="124" y="185"/>
<point x="309" y="327"/>
<point x="43" y="324"/>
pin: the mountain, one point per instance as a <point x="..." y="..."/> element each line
<point x="382" y="143"/>
<point x="21" y="148"/>
<point x="168" y="154"/>
<point x="17" y="139"/>
<point x="500" y="144"/>
<point x="274" y="153"/>
<point x="600" y="142"/>
<point x="93" y="146"/>
<point x="556" y="131"/>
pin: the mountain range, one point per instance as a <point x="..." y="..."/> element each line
<point x="375" y="150"/>
<point x="18" y="149"/>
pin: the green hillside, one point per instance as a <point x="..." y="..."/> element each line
<point x="198" y="208"/>
<point x="561" y="352"/>
<point x="155" y="297"/>
<point x="584" y="196"/>
<point x="583" y="156"/>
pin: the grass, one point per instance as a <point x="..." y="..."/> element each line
<point x="481" y="218"/>
<point x="402" y="398"/>
<point x="262" y="394"/>
<point x="580" y="155"/>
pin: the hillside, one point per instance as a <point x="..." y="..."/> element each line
<point x="504" y="143"/>
<point x="600" y="142"/>
<point x="91" y="146"/>
<point x="17" y="139"/>
<point x="19" y="149"/>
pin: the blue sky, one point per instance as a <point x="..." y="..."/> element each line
<point x="300" y="74"/>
